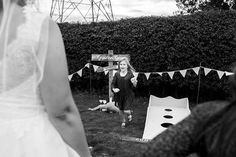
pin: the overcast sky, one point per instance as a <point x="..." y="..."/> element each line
<point x="134" y="8"/>
<point x="129" y="8"/>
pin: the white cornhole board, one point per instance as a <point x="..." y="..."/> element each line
<point x="157" y="110"/>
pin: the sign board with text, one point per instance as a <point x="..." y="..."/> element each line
<point x="108" y="58"/>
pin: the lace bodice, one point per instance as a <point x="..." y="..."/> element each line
<point x="21" y="69"/>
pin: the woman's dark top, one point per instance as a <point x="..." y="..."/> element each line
<point x="124" y="98"/>
<point x="180" y="140"/>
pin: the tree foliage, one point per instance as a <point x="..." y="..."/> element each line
<point x="192" y="6"/>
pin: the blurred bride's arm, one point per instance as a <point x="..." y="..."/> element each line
<point x="57" y="97"/>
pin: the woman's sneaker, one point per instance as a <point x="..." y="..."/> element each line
<point x="123" y="125"/>
<point x="130" y="118"/>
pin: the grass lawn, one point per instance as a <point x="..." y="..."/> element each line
<point x="103" y="130"/>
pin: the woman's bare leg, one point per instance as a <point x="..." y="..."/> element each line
<point x="123" y="119"/>
<point x="129" y="114"/>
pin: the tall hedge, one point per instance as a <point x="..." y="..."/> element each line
<point x="159" y="44"/>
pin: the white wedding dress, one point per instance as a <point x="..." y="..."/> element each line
<point x="25" y="129"/>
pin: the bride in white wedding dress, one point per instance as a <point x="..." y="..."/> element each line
<point x="38" y="116"/>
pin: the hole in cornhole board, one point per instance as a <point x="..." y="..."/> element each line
<point x="166" y="125"/>
<point x="168" y="109"/>
<point x="168" y="116"/>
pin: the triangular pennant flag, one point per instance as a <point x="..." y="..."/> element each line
<point x="80" y="72"/>
<point x="206" y="71"/>
<point x="70" y="76"/>
<point x="114" y="71"/>
<point x="135" y="74"/>
<point x="183" y="72"/>
<point x="147" y="75"/>
<point x="171" y="74"/>
<point x="196" y="70"/>
<point x="220" y="73"/>
<point x="228" y="73"/>
<point x="95" y="67"/>
<point x="106" y="71"/>
<point x="87" y="65"/>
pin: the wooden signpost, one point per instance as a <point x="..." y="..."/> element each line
<point x="110" y="58"/>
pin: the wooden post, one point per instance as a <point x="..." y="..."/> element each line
<point x="90" y="78"/>
<point x="110" y="64"/>
<point x="199" y="83"/>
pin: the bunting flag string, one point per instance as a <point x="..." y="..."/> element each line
<point x="220" y="74"/>
<point x="87" y="65"/>
<point x="183" y="72"/>
<point x="171" y="74"/>
<point x="106" y="72"/>
<point x="196" y="70"/>
<point x="70" y="76"/>
<point x="136" y="74"/>
<point x="206" y="71"/>
<point x="147" y="74"/>
<point x="80" y="72"/>
<point x="95" y="67"/>
<point x="228" y="73"/>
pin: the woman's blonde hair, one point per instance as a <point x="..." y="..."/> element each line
<point x="130" y="67"/>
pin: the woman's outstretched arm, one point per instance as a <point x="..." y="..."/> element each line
<point x="97" y="107"/>
<point x="57" y="97"/>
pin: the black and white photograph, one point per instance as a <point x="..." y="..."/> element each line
<point x="117" y="78"/>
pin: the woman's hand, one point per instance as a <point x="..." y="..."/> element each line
<point x="134" y="81"/>
<point x="116" y="90"/>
